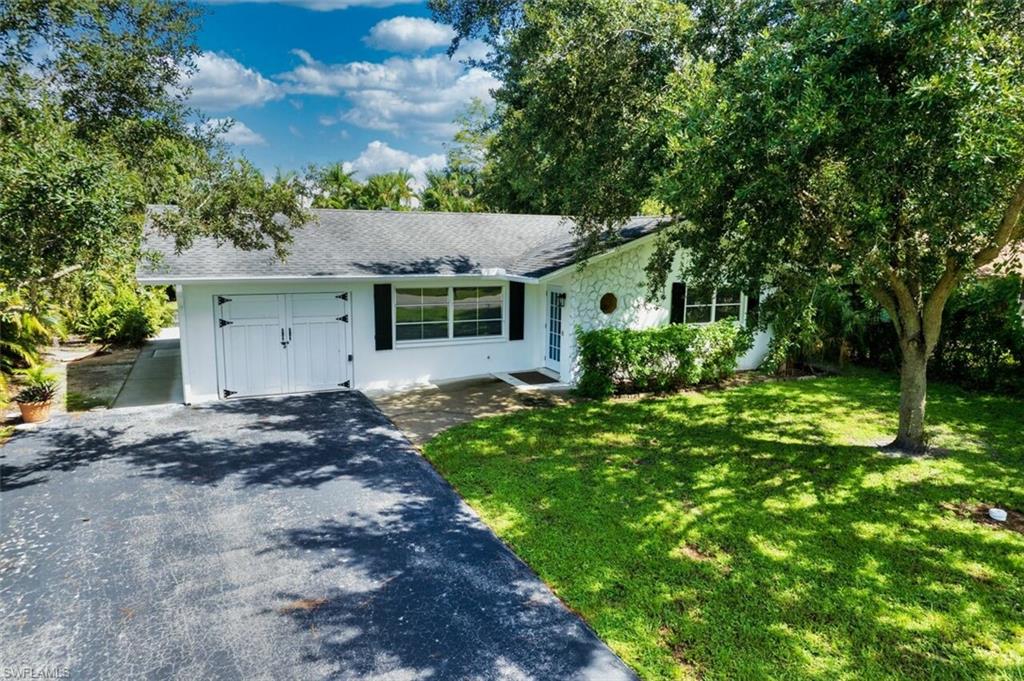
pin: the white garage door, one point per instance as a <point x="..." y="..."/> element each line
<point x="284" y="343"/>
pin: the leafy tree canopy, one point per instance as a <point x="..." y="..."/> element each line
<point x="93" y="126"/>
<point x="464" y="184"/>
<point x="880" y="142"/>
<point x="334" y="187"/>
<point x="63" y="200"/>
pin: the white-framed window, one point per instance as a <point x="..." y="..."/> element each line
<point x="706" y="305"/>
<point x="437" y="313"/>
<point x="477" y="311"/>
<point x="421" y="313"/>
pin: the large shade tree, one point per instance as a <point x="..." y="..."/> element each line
<point x="877" y="142"/>
<point x="94" y="125"/>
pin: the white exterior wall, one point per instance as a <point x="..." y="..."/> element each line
<point x="623" y="274"/>
<point x="402" y="366"/>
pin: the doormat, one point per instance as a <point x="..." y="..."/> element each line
<point x="534" y="378"/>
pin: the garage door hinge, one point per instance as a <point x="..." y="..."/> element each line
<point x="342" y="296"/>
<point x="350" y="358"/>
<point x="221" y="300"/>
<point x="342" y="318"/>
<point x="229" y="393"/>
<point x="346" y="384"/>
<point x="224" y="323"/>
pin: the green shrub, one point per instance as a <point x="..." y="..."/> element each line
<point x="718" y="348"/>
<point x="981" y="345"/>
<point x="123" y="313"/>
<point x="25" y="326"/>
<point x="658" y="359"/>
<point x="982" y="340"/>
<point x="40" y="385"/>
<point x="830" y="324"/>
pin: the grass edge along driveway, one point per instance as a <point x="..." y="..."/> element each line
<point x="758" y="532"/>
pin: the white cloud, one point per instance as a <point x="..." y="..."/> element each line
<point x="378" y="157"/>
<point x="419" y="95"/>
<point x="318" y="5"/>
<point x="220" y="83"/>
<point x="238" y="134"/>
<point x="408" y="34"/>
<point x="472" y="50"/>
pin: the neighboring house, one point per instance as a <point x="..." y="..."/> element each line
<point x="382" y="300"/>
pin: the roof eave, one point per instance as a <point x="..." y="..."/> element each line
<point x="632" y="243"/>
<point x="170" y="280"/>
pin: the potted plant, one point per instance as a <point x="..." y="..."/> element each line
<point x="36" y="395"/>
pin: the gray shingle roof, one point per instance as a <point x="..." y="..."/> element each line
<point x="353" y="243"/>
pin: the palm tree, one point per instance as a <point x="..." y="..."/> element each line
<point x="24" y="327"/>
<point x="452" y="190"/>
<point x="335" y="187"/>
<point x="387" y="190"/>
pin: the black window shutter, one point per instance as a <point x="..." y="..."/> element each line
<point x="516" y="303"/>
<point x="382" y="315"/>
<point x="677" y="313"/>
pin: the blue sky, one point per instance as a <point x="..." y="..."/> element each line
<point x="365" y="82"/>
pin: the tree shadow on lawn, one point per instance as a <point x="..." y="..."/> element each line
<point x="738" y="532"/>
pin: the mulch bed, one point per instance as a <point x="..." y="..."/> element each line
<point x="979" y="514"/>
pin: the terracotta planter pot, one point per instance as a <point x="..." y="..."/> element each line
<point x="34" y="412"/>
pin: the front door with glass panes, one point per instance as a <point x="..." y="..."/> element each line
<point x="438" y="313"/>
<point x="556" y="303"/>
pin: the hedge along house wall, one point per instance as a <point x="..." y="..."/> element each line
<point x="622" y="272"/>
<point x="658" y="359"/>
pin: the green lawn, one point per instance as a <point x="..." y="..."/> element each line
<point x="758" y="533"/>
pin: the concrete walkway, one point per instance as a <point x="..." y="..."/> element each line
<point x="422" y="413"/>
<point x="155" y="377"/>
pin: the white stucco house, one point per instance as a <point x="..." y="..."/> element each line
<point x="384" y="300"/>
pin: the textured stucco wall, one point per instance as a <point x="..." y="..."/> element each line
<point x="624" y="275"/>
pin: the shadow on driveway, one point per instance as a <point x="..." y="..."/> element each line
<point x="296" y="537"/>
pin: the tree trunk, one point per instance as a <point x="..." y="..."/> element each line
<point x="913" y="392"/>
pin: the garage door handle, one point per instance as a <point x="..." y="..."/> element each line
<point x="289" y="334"/>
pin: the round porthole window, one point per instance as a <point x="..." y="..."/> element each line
<point x="608" y="303"/>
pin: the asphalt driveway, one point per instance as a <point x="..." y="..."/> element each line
<point x="273" y="538"/>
